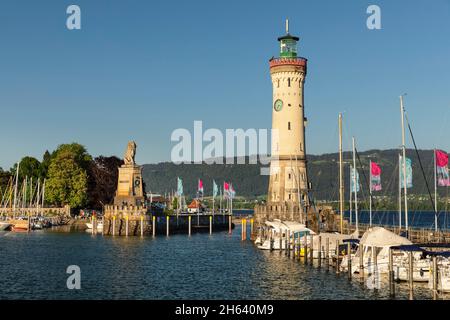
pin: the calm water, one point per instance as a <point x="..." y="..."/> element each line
<point x="419" y="219"/>
<point x="220" y="266"/>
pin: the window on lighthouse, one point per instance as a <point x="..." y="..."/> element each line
<point x="289" y="125"/>
<point x="289" y="82"/>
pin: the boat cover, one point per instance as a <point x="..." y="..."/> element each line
<point x="380" y="237"/>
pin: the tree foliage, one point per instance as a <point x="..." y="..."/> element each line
<point x="103" y="174"/>
<point x="67" y="180"/>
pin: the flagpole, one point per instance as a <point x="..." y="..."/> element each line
<point x="399" y="193"/>
<point x="435" y="194"/>
<point x="213" y="196"/>
<point x="341" y="176"/>
<point x="351" y="194"/>
<point x="370" y="194"/>
<point x="15" y="190"/>
<point x="402" y="110"/>
<point x="354" y="184"/>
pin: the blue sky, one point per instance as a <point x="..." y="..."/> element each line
<point x="140" y="69"/>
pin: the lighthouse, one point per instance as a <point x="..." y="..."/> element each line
<point x="288" y="183"/>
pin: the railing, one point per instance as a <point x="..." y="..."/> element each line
<point x="299" y="61"/>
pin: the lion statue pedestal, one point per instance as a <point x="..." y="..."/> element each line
<point x="129" y="187"/>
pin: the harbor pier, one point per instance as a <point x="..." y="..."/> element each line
<point x="138" y="220"/>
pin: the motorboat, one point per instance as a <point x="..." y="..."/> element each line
<point x="279" y="230"/>
<point x="99" y="226"/>
<point x="376" y="241"/>
<point x="4" y="225"/>
<point x="443" y="274"/>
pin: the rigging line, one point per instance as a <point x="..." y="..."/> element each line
<point x="421" y="166"/>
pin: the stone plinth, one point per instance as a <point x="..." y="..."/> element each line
<point x="129" y="186"/>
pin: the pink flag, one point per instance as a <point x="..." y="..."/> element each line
<point x="375" y="177"/>
<point x="441" y="158"/>
<point x="200" y="185"/>
<point x="375" y="170"/>
<point x="443" y="178"/>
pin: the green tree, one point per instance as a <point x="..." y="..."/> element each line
<point x="29" y="167"/>
<point x="81" y="156"/>
<point x="67" y="180"/>
<point x="43" y="170"/>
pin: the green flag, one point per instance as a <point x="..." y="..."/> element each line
<point x="215" y="189"/>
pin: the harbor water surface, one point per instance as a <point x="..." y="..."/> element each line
<point x="218" y="266"/>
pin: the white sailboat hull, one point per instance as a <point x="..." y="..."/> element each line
<point x="99" y="226"/>
<point x="4" y="226"/>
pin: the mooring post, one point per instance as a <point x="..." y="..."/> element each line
<point x="305" y="251"/>
<point x="167" y="225"/>
<point x="391" y="274"/>
<point x="337" y="257"/>
<point x="411" y="276"/>
<point x="375" y="268"/>
<point x="281" y="240"/>
<point x="229" y="224"/>
<point x="153" y="226"/>
<point x="271" y="240"/>
<point x="435" y="278"/>
<point x="327" y="253"/>
<point x="114" y="225"/>
<point x="320" y="252"/>
<point x="289" y="243"/>
<point x="126" y="225"/>
<point x="142" y="225"/>
<point x="251" y="228"/>
<point x="361" y="263"/>
<point x="299" y="247"/>
<point x="210" y="224"/>
<point x="349" y="260"/>
<point x="312" y="249"/>
<point x="189" y="225"/>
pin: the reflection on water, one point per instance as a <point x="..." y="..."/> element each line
<point x="218" y="266"/>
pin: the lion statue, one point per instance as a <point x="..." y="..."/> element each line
<point x="130" y="153"/>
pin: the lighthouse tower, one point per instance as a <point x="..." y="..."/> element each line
<point x="288" y="184"/>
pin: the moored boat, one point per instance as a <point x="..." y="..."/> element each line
<point x="4" y="226"/>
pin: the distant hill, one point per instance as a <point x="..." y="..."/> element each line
<point x="323" y="173"/>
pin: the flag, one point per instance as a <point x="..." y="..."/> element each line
<point x="352" y="175"/>
<point x="179" y="187"/>
<point x="442" y="176"/>
<point x="375" y="176"/>
<point x="226" y="190"/>
<point x="409" y="183"/>
<point x="200" y="187"/>
<point x="232" y="192"/>
<point x="215" y="189"/>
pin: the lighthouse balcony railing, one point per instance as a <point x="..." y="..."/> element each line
<point x="299" y="61"/>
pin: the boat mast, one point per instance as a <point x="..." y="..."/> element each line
<point x="370" y="193"/>
<point x="402" y="111"/>
<point x="435" y="194"/>
<point x="341" y="176"/>
<point x="15" y="190"/>
<point x="38" y="195"/>
<point x="351" y="194"/>
<point x="354" y="184"/>
<point x="43" y="196"/>
<point x="399" y="192"/>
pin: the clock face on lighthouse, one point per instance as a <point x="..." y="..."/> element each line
<point x="278" y="105"/>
